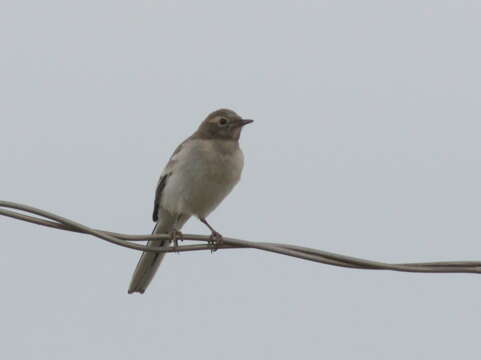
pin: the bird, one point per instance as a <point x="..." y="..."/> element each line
<point x="201" y="172"/>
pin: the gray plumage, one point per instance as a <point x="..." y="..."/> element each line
<point x="199" y="175"/>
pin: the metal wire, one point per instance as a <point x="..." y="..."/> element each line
<point x="51" y="220"/>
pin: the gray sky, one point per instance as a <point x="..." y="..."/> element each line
<point x="366" y="142"/>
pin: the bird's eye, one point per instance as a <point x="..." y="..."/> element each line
<point x="222" y="121"/>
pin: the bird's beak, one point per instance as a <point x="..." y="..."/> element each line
<point x="240" y="123"/>
<point x="245" y="122"/>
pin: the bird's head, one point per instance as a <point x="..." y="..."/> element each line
<point x="222" y="124"/>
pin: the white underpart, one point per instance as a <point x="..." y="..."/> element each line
<point x="201" y="177"/>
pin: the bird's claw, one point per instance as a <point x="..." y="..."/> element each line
<point x="175" y="236"/>
<point x="215" y="240"/>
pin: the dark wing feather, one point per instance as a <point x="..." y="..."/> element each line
<point x="158" y="196"/>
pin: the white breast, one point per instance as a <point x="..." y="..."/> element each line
<point x="203" y="174"/>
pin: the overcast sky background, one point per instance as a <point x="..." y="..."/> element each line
<point x="366" y="142"/>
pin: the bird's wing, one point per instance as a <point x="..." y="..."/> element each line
<point x="169" y="168"/>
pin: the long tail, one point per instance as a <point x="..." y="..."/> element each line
<point x="149" y="263"/>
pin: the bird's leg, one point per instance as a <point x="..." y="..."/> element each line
<point x="175" y="236"/>
<point x="215" y="239"/>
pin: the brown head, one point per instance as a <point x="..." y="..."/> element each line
<point x="223" y="124"/>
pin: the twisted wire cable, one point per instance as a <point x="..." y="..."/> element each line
<point x="48" y="219"/>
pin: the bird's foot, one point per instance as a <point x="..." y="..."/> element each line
<point x="215" y="240"/>
<point x="175" y="236"/>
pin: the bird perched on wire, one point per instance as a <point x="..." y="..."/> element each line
<point x="201" y="172"/>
